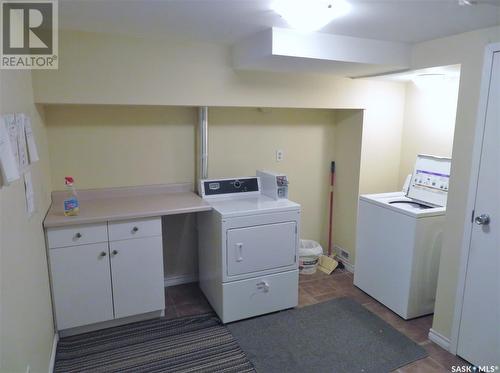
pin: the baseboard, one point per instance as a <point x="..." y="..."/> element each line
<point x="348" y="266"/>
<point x="439" y="339"/>
<point x="52" y="360"/>
<point x="111" y="323"/>
<point x="181" y="279"/>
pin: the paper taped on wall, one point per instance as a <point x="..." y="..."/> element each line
<point x="30" y="139"/>
<point x="17" y="146"/>
<point x="21" y="142"/>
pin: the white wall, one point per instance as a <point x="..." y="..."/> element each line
<point x="429" y="121"/>
<point x="26" y="326"/>
<point x="468" y="50"/>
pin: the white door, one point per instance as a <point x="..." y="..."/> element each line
<point x="261" y="247"/>
<point x="81" y="283"/>
<point x="479" y="335"/>
<point x="137" y="273"/>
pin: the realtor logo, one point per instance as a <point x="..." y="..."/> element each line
<point x="29" y="37"/>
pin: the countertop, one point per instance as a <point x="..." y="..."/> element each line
<point x="101" y="205"/>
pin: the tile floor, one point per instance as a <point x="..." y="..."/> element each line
<point x="185" y="300"/>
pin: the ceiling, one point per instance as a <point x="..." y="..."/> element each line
<point x="227" y="21"/>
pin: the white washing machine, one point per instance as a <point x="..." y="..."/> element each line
<point x="399" y="237"/>
<point x="247" y="249"/>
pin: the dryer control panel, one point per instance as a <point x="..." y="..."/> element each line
<point x="222" y="187"/>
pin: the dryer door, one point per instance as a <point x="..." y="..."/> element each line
<point x="262" y="247"/>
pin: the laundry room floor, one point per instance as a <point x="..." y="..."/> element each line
<point x="187" y="300"/>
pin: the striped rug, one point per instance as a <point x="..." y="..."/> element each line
<point x="187" y="344"/>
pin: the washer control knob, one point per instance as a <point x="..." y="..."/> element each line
<point x="237" y="184"/>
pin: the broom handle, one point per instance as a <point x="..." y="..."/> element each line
<point x="330" y="233"/>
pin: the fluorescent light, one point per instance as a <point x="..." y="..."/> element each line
<point x="310" y="15"/>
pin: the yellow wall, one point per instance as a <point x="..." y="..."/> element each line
<point x="110" y="146"/>
<point x="244" y="140"/>
<point x="468" y="50"/>
<point x="26" y="326"/>
<point x="348" y="144"/>
<point x="429" y="121"/>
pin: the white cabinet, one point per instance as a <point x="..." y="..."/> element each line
<point x="81" y="285"/>
<point x="106" y="280"/>
<point x="137" y="272"/>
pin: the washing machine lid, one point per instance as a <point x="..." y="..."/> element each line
<point x="430" y="180"/>
<point x="400" y="203"/>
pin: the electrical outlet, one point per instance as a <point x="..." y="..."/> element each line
<point x="279" y="155"/>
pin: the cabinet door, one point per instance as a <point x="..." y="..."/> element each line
<point x="81" y="284"/>
<point x="137" y="273"/>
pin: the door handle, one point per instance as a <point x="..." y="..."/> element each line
<point x="239" y="252"/>
<point x="482" y="219"/>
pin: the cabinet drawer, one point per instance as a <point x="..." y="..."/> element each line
<point x="77" y="235"/>
<point x="259" y="295"/>
<point x="124" y="230"/>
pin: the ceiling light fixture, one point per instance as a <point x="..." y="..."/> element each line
<point x="310" y="15"/>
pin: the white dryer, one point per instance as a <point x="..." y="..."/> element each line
<point x="247" y="249"/>
<point x="399" y="237"/>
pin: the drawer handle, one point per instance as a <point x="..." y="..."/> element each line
<point x="263" y="285"/>
<point x="114" y="252"/>
<point x="102" y="254"/>
<point x="78" y="235"/>
<point x="239" y="252"/>
<point x="135" y="230"/>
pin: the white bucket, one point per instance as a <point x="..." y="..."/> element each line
<point x="309" y="253"/>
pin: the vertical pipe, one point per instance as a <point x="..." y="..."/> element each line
<point x="203" y="141"/>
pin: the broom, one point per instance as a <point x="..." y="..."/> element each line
<point x="327" y="264"/>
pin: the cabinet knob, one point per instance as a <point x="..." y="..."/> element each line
<point x="102" y="254"/>
<point x="78" y="235"/>
<point x="135" y="229"/>
<point x="114" y="252"/>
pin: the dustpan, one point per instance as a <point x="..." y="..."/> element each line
<point x="327" y="264"/>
